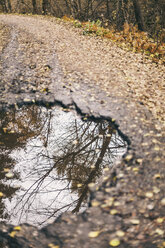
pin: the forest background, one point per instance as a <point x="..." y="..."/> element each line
<point x="141" y="23"/>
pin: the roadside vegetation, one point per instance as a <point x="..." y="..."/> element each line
<point x="129" y="38"/>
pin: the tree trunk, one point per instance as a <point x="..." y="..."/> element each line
<point x="45" y="6"/>
<point x="3" y="4"/>
<point x="138" y="15"/>
<point x="34" y="6"/>
<point x="9" y="5"/>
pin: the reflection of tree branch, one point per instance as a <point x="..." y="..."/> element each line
<point x="93" y="173"/>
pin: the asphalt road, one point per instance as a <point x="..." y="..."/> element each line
<point x="34" y="69"/>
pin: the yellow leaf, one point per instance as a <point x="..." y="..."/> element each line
<point x="157" y="176"/>
<point x="5" y="130"/>
<point x="159" y="231"/>
<point x="95" y="203"/>
<point x="128" y="157"/>
<point x="1" y="194"/>
<point x="135" y="169"/>
<point x="139" y="160"/>
<point x="156" y="148"/>
<point x="113" y="211"/>
<point x="17" y="228"/>
<point x="9" y="175"/>
<point x="149" y="194"/>
<point x="53" y="246"/>
<point x="26" y="100"/>
<point x="93" y="234"/>
<point x="163" y="202"/>
<point x="117" y="203"/>
<point x="135" y="221"/>
<point x="156" y="190"/>
<point x="159" y="220"/>
<point x="114" y="242"/>
<point x="12" y="234"/>
<point x="120" y="233"/>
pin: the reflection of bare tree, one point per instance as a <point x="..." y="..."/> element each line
<point x="16" y="127"/>
<point x="62" y="155"/>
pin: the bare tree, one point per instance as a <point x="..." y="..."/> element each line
<point x="34" y="4"/>
<point x="138" y="15"/>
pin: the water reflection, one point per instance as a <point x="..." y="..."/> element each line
<point x="48" y="158"/>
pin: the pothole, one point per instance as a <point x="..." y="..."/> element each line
<point x="47" y="159"/>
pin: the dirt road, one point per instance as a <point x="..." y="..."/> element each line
<point x="45" y="60"/>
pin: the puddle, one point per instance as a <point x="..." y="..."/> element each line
<point x="47" y="159"/>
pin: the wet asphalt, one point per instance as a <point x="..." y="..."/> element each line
<point x="128" y="208"/>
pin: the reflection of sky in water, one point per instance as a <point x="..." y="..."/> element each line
<point x="45" y="165"/>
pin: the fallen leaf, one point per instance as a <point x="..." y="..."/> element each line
<point x="17" y="228"/>
<point x="12" y="234"/>
<point x="95" y="203"/>
<point x="9" y="175"/>
<point x="159" y="231"/>
<point x="160" y="220"/>
<point x="149" y="194"/>
<point x="135" y="221"/>
<point x="93" y="234"/>
<point x="53" y="246"/>
<point x="1" y="194"/>
<point x="163" y="202"/>
<point x="113" y="211"/>
<point x="114" y="242"/>
<point x="120" y="233"/>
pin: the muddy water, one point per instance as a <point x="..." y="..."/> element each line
<point x="47" y="159"/>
